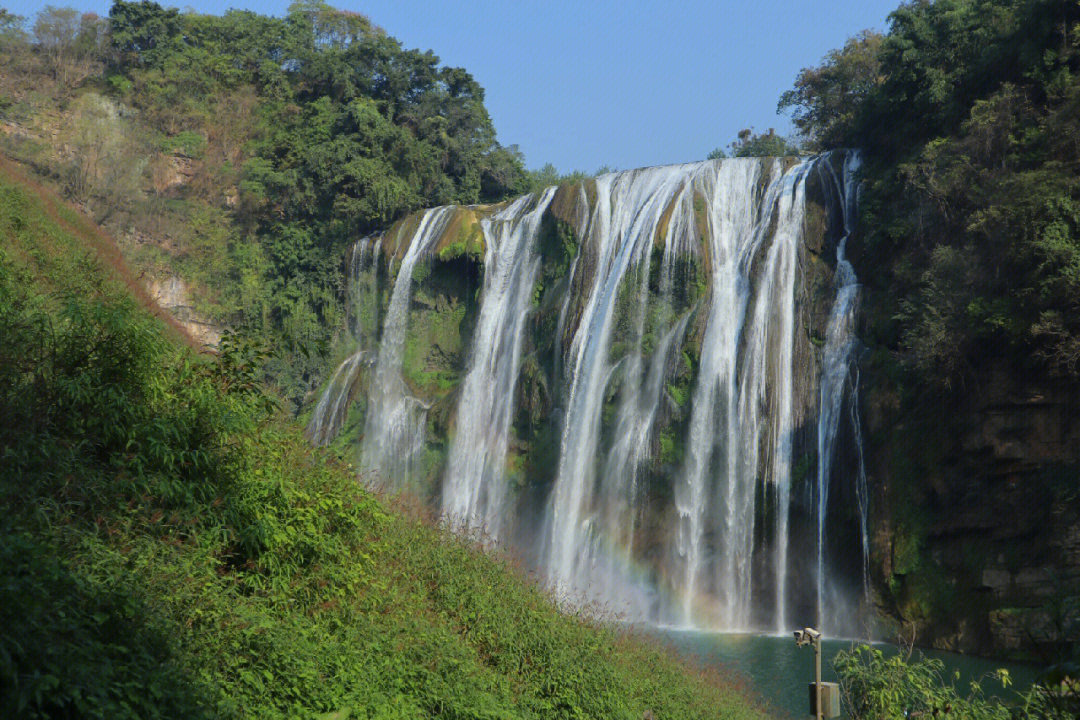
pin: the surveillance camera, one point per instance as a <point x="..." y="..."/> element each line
<point x="806" y="636"/>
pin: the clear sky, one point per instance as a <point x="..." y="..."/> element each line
<point x="623" y="84"/>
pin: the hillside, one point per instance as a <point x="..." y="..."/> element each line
<point x="173" y="548"/>
<point x="234" y="157"/>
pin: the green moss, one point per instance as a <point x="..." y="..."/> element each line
<point x="557" y="245"/>
<point x="467" y="242"/>
<point x="672" y="447"/>
<point x="433" y="354"/>
<point x="421" y="271"/>
<point x="678" y="393"/>
<point x="803" y="473"/>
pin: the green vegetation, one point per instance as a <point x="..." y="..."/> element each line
<point x="967" y="113"/>
<point x="292" y="136"/>
<point x="549" y="175"/>
<point x="880" y="686"/>
<point x="173" y="548"/>
<point x="751" y="144"/>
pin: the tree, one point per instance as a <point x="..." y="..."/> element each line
<point x="767" y="144"/>
<point x="12" y="36"/>
<point x="55" y="30"/>
<point x="328" y="27"/>
<point x="11" y="25"/>
<point x="826" y="100"/>
<point x="142" y="32"/>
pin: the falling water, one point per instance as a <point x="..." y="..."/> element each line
<point x="715" y="546"/>
<point x="473" y="489"/>
<point x="330" y="412"/>
<point x="620" y="230"/>
<point x="862" y="492"/>
<point x="394" y="430"/>
<point x="742" y="403"/>
<point x="836" y="371"/>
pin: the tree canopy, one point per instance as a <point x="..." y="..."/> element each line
<point x="340" y="131"/>
<point x="967" y="111"/>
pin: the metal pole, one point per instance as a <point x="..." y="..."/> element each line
<point x="817" y="675"/>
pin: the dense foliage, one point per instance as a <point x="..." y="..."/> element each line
<point x="751" y="144"/>
<point x="969" y="114"/>
<point x="252" y="149"/>
<point x="879" y="685"/>
<point x="172" y="549"/>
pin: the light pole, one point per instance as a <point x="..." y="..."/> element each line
<point x="807" y="636"/>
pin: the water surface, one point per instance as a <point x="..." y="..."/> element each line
<point x="779" y="671"/>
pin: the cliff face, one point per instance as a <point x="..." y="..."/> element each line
<point x="976" y="507"/>
<point x="172" y="294"/>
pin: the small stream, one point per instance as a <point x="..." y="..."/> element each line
<point x="779" y="671"/>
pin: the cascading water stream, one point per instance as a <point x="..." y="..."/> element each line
<point x="474" y="485"/>
<point x="743" y="406"/>
<point x="624" y="222"/>
<point x="731" y="229"/>
<point x="836" y="371"/>
<point x="327" y="418"/>
<point x="329" y="413"/>
<point x="394" y="430"/>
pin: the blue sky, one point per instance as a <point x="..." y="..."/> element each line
<point x="623" y="84"/>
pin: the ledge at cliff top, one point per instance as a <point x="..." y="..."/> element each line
<point x="643" y="383"/>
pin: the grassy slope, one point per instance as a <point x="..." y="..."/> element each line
<point x="171" y="549"/>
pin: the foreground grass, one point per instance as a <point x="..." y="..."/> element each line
<point x="171" y="548"/>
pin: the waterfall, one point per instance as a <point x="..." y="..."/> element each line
<point x="394" y="430"/>
<point x="330" y="412"/>
<point x="620" y="230"/>
<point x="745" y="370"/>
<point x="473" y="490"/>
<point x="836" y="375"/>
<point x="676" y="372"/>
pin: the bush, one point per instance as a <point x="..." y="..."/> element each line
<point x="879" y="686"/>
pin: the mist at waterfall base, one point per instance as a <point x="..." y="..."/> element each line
<point x="697" y="274"/>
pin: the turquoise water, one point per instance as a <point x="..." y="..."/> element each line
<point x="779" y="671"/>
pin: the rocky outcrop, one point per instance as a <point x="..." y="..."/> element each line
<point x="977" y="509"/>
<point x="171" y="294"/>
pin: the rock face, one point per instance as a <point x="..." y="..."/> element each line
<point x="977" y="510"/>
<point x="623" y="380"/>
<point x="171" y="294"/>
